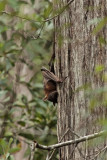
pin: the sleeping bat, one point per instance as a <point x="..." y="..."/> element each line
<point x="50" y="83"/>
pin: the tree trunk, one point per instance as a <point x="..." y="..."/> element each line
<point x="77" y="53"/>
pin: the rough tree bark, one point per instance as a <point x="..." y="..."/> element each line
<point x="77" y="52"/>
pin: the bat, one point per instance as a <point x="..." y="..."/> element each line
<point x="50" y="85"/>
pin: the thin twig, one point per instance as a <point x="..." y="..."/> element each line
<point x="86" y="149"/>
<point x="38" y="36"/>
<point x="27" y="19"/>
<point x="80" y="152"/>
<point x="75" y="145"/>
<point x="59" y="12"/>
<point x="102" y="150"/>
<point x="64" y="134"/>
<point x="75" y="133"/>
<point x="52" y="154"/>
<point x="46" y="20"/>
<point x="59" y="142"/>
<point x="47" y="157"/>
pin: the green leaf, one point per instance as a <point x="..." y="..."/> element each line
<point x="6" y="99"/>
<point x="14" y="150"/>
<point x="22" y="123"/>
<point x="2" y="93"/>
<point x="94" y="21"/>
<point x="100" y="26"/>
<point x="83" y="87"/>
<point x="2" y="5"/>
<point x="3" y="146"/>
<point x="102" y="40"/>
<point x="10" y="142"/>
<point x="47" y="11"/>
<point x="18" y="103"/>
<point x="1" y="44"/>
<point x="38" y="85"/>
<point x="11" y="157"/>
<point x="93" y="103"/>
<point x="3" y="29"/>
<point x="32" y="1"/>
<point x="7" y="155"/>
<point x="8" y="64"/>
<point x="99" y="68"/>
<point x="27" y="135"/>
<point x="8" y="134"/>
<point x="13" y="3"/>
<point x="22" y="2"/>
<point x="19" y="25"/>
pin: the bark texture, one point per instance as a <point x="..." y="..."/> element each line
<point x="77" y="52"/>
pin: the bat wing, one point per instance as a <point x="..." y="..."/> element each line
<point x="49" y="75"/>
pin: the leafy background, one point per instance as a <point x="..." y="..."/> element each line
<point x="25" y="46"/>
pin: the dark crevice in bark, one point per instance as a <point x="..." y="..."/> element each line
<point x="86" y="7"/>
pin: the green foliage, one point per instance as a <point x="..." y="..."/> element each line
<point x="6" y="150"/>
<point x="2" y="5"/>
<point x="100" y="25"/>
<point x="99" y="69"/>
<point x="25" y="40"/>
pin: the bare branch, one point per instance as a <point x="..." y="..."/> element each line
<point x="47" y="157"/>
<point x="76" y="141"/>
<point x="73" y="132"/>
<point x="14" y="15"/>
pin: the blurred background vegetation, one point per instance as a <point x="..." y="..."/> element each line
<point x="25" y="46"/>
